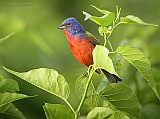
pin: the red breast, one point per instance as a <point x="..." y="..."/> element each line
<point x="81" y="48"/>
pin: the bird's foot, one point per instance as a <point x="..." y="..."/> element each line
<point x="85" y="74"/>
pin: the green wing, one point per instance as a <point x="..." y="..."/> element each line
<point x="92" y="38"/>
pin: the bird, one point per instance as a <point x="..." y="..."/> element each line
<point x="82" y="44"/>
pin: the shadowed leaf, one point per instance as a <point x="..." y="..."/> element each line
<point x="7" y="97"/>
<point x="117" y="97"/>
<point x="10" y="109"/>
<point x="58" y="111"/>
<point x="2" y="40"/>
<point x="8" y="85"/>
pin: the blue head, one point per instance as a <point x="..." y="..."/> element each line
<point x="72" y="26"/>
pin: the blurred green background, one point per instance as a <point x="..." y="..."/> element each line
<point x="38" y="43"/>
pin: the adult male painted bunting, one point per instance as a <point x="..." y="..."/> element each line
<point x="82" y="44"/>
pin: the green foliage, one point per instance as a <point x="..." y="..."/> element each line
<point x="46" y="79"/>
<point x="104" y="20"/>
<point x="2" y="40"/>
<point x="99" y="113"/>
<point x="138" y="60"/>
<point x="109" y="101"/>
<point x="80" y="86"/>
<point x="10" y="109"/>
<point x="130" y="19"/>
<point x="8" y="95"/>
<point x="57" y="111"/>
<point x="115" y="96"/>
<point x="106" y="113"/>
<point x="99" y="53"/>
<point x="8" y="85"/>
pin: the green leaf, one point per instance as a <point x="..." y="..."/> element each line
<point x="10" y="109"/>
<point x="58" y="111"/>
<point x="138" y="60"/>
<point x="87" y="16"/>
<point x="99" y="113"/>
<point x="102" y="11"/>
<point x="94" y="100"/>
<point x="2" y="40"/>
<point x="8" y="85"/>
<point x="80" y="86"/>
<point x="116" y="97"/>
<point x="46" y="79"/>
<point x="122" y="98"/>
<point x="106" y="113"/>
<point x="104" y="20"/>
<point x="119" y="115"/>
<point x="99" y="53"/>
<point x="102" y="30"/>
<point x="7" y="97"/>
<point x="102" y="85"/>
<point x="130" y="19"/>
<point x="116" y="59"/>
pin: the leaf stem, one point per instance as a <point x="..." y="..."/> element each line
<point x="84" y="95"/>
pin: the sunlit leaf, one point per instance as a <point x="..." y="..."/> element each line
<point x="130" y="19"/>
<point x="87" y="16"/>
<point x="102" y="30"/>
<point x="8" y="85"/>
<point x="102" y="11"/>
<point x="99" y="53"/>
<point x="2" y="40"/>
<point x="58" y="111"/>
<point x="138" y="60"/>
<point x="10" y="109"/>
<point x="104" y="20"/>
<point x="99" y="113"/>
<point x="7" y="97"/>
<point x="46" y="79"/>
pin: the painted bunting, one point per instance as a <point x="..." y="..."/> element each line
<point x="82" y="44"/>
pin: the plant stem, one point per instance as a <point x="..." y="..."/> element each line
<point x="110" y="45"/>
<point x="70" y="106"/>
<point x="84" y="95"/>
<point x="105" y="40"/>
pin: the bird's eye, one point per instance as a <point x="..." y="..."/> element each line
<point x="68" y="24"/>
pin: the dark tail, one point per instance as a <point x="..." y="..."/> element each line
<point x="111" y="77"/>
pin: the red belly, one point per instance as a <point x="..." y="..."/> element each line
<point x="82" y="50"/>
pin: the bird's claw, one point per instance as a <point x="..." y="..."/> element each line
<point x="85" y="74"/>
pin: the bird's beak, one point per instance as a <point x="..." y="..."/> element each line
<point x="62" y="27"/>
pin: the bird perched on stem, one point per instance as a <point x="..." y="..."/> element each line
<point x="82" y="44"/>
